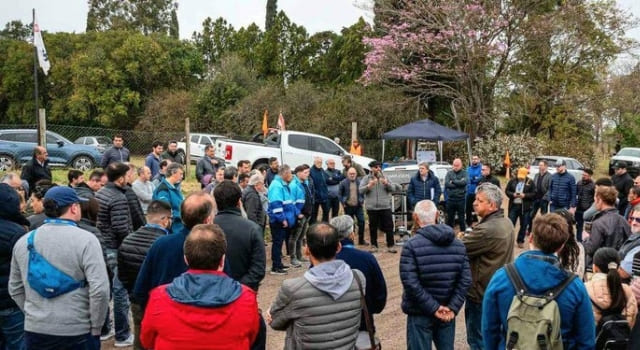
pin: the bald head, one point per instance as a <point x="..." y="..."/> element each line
<point x="457" y="164"/>
<point x="40" y="153"/>
<point x="198" y="208"/>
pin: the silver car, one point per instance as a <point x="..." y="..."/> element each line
<point x="574" y="167"/>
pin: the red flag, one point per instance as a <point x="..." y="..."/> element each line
<point x="265" y="123"/>
<point x="281" y="121"/>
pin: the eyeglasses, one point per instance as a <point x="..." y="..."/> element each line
<point x="636" y="220"/>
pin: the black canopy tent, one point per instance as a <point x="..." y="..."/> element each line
<point x="426" y="130"/>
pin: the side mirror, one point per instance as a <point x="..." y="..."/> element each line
<point x="60" y="143"/>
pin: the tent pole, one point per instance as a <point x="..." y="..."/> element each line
<point x="469" y="148"/>
<point x="382" y="159"/>
<point x="440" y="149"/>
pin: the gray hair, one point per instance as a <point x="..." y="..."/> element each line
<point x="493" y="193"/>
<point x="426" y="211"/>
<point x="343" y="224"/>
<point x="173" y="169"/>
<point x="8" y="178"/>
<point x="141" y="169"/>
<point x="424" y="164"/>
<point x="284" y="169"/>
<point x="256" y="179"/>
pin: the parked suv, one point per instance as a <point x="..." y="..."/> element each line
<point x="631" y="157"/>
<point x="16" y="148"/>
<point x="574" y="167"/>
<point x="101" y="143"/>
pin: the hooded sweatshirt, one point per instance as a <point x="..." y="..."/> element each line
<point x="200" y="310"/>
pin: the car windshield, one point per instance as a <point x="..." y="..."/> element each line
<point x="550" y="161"/>
<point x="103" y="140"/>
<point x="629" y="152"/>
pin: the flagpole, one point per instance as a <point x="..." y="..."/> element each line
<point x="35" y="74"/>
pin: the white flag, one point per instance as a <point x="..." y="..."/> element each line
<point x="43" y="59"/>
<point x="281" y="122"/>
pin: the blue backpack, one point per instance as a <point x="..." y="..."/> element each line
<point x="45" y="278"/>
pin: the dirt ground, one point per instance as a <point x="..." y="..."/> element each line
<point x="390" y="324"/>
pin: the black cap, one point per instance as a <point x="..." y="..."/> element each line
<point x="620" y="165"/>
<point x="375" y="163"/>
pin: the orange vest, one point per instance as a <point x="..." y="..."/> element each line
<point x="356" y="150"/>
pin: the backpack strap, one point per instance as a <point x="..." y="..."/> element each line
<point x="30" y="245"/>
<point x="556" y="291"/>
<point x="515" y="278"/>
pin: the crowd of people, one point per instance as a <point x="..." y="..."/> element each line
<point x="188" y="268"/>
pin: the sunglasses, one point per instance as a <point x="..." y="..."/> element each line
<point x="636" y="220"/>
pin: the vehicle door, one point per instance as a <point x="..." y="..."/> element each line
<point x="327" y="149"/>
<point x="297" y="150"/>
<point x="197" y="150"/>
<point x="57" y="150"/>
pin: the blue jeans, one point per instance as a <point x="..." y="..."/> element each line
<point x="11" y="329"/>
<point x="516" y="213"/>
<point x="37" y="341"/>
<point x="120" y="299"/>
<point x="278" y="236"/>
<point x="456" y="206"/>
<point x="553" y="207"/>
<point x="473" y="320"/>
<point x="422" y="330"/>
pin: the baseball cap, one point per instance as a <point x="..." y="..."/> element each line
<point x="560" y="162"/>
<point x="375" y="163"/>
<point x="63" y="196"/>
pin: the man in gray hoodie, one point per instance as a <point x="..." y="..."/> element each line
<point x="322" y="308"/>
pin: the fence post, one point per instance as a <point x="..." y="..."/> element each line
<point x="42" y="127"/>
<point x="187" y="144"/>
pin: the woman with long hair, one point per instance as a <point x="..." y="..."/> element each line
<point x="572" y="254"/>
<point x="606" y="289"/>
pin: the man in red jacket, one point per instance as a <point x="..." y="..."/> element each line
<point x="202" y="308"/>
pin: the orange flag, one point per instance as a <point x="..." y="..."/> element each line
<point x="265" y="123"/>
<point x="507" y="164"/>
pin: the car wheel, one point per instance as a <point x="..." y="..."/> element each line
<point x="82" y="163"/>
<point x="6" y="162"/>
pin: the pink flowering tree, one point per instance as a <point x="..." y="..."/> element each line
<point x="455" y="50"/>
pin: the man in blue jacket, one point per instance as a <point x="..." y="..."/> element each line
<point x="153" y="158"/>
<point x="424" y="185"/>
<point x="540" y="271"/>
<point x="562" y="189"/>
<point x="474" y="172"/>
<point x="282" y="216"/>
<point x="435" y="275"/>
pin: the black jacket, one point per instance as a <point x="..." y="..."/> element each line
<point x="623" y="184"/>
<point x="114" y="217"/>
<point x="33" y="172"/>
<point x="609" y="229"/>
<point x="529" y="192"/>
<point x="137" y="214"/>
<point x="132" y="252"/>
<point x="90" y="226"/>
<point x="586" y="191"/>
<point x="10" y="232"/>
<point x="113" y="155"/>
<point x="489" y="179"/>
<point x="245" y="247"/>
<point x="84" y="191"/>
<point x="253" y="205"/>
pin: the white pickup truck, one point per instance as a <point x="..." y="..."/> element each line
<point x="198" y="142"/>
<point x="290" y="147"/>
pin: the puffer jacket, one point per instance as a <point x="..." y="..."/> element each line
<point x="562" y="190"/>
<point x="132" y="252"/>
<point x="114" y="216"/>
<point x="434" y="270"/>
<point x="474" y="173"/>
<point x="419" y="190"/>
<point x="585" y="191"/>
<point x="320" y="310"/>
<point x="281" y="203"/>
<point x="320" y="189"/>
<point x="599" y="293"/>
<point x="379" y="196"/>
<point x="137" y="215"/>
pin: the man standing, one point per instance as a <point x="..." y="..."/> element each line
<point x="75" y="177"/>
<point x="117" y="153"/>
<point x="252" y="202"/>
<point x="67" y="318"/>
<point x="474" y="173"/>
<point x="540" y="272"/>
<point x="156" y="180"/>
<point x="243" y="180"/>
<point x="282" y="216"/>
<point x="487" y="176"/>
<point x="423" y="185"/>
<point x="37" y="168"/>
<point x="89" y="188"/>
<point x="334" y="177"/>
<point x="320" y="191"/>
<point x="244" y="167"/>
<point x="208" y="165"/>
<point x="153" y="159"/>
<point x="322" y="308"/>
<point x="586" y="190"/>
<point x="352" y="201"/>
<point x="172" y="153"/>
<point x="202" y="308"/>
<point x="245" y="254"/>
<point x="348" y="163"/>
<point x="302" y="192"/>
<point x="356" y="148"/>
<point x="143" y="188"/>
<point x="377" y="190"/>
<point x="135" y="209"/>
<point x="11" y="229"/>
<point x="133" y="251"/>
<point x="609" y="228"/>
<point x="542" y="180"/>
<point x="114" y="222"/>
<point x="630" y="247"/>
<point x="489" y="247"/>
<point x="456" y="186"/>
<point x="562" y="189"/>
<point x="432" y="303"/>
<point x="622" y="181"/>
<point x="272" y="171"/>
<point x="521" y="192"/>
<point x="170" y="192"/>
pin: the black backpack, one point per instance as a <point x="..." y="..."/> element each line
<point x="613" y="330"/>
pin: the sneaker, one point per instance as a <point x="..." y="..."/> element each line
<point x="391" y="250"/>
<point x="303" y="260"/>
<point x="278" y="272"/>
<point x="285" y="267"/>
<point x="124" y="343"/>
<point x="108" y="336"/>
<point x="373" y="249"/>
<point x="295" y="263"/>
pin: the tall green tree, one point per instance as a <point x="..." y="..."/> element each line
<point x="16" y="30"/>
<point x="146" y="16"/>
<point x="272" y="12"/>
<point x="215" y="40"/>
